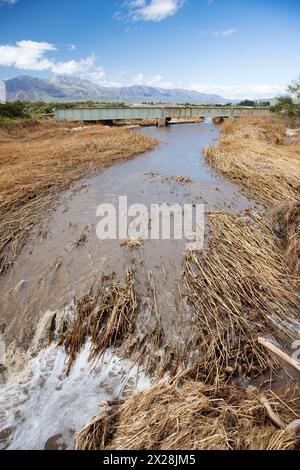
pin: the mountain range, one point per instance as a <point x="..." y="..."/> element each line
<point x="63" y="89"/>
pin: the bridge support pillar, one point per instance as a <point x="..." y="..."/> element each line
<point x="162" y="122"/>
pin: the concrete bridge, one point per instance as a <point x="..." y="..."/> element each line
<point x="163" y="115"/>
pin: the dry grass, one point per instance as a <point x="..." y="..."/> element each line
<point x="80" y="240"/>
<point x="286" y="223"/>
<point x="240" y="289"/>
<point x="132" y="243"/>
<point x="38" y="161"/>
<point x="195" y="417"/>
<point x="258" y="153"/>
<point x="98" y="433"/>
<point x="255" y="152"/>
<point x="106" y="317"/>
<point x="179" y="179"/>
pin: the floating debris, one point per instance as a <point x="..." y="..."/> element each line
<point x="179" y="179"/>
<point x="81" y="240"/>
<point x="133" y="243"/>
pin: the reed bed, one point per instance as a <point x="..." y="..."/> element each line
<point x="254" y="152"/>
<point x="258" y="153"/>
<point x="195" y="417"/>
<point x="106" y="317"/>
<point x="240" y="289"/>
<point x="39" y="161"/>
<point x="285" y="219"/>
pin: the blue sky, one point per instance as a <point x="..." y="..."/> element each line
<point x="236" y="48"/>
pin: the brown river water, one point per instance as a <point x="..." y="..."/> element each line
<point x="39" y="406"/>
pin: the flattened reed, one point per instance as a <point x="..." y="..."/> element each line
<point x="107" y="318"/>
<point x="240" y="289"/>
<point x="285" y="219"/>
<point x="256" y="152"/>
<point x="253" y="152"/>
<point x="195" y="417"/>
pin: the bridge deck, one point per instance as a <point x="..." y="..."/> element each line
<point x="160" y="113"/>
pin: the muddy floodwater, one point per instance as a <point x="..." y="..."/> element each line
<point x="39" y="407"/>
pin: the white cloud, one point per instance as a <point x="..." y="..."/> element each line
<point x="230" y="92"/>
<point x="241" y="91"/>
<point x="31" y="55"/>
<point x="8" y="2"/>
<point x="225" y="33"/>
<point x="150" y="10"/>
<point x="28" y="55"/>
<point x="84" y="68"/>
<point x="140" y="79"/>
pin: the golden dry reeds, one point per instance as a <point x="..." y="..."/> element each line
<point x="38" y="161"/>
<point x="97" y="433"/>
<point x="256" y="152"/>
<point x="253" y="152"/>
<point x="285" y="219"/>
<point x="240" y="289"/>
<point x="132" y="243"/>
<point x="107" y="318"/>
<point x="195" y="417"/>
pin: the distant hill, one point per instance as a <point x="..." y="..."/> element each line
<point x="60" y="88"/>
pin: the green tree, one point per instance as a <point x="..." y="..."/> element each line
<point x="248" y="103"/>
<point x="294" y="89"/>
<point x="13" y="110"/>
<point x="290" y="104"/>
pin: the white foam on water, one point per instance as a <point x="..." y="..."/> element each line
<point x="42" y="405"/>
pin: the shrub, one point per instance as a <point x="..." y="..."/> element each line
<point x="13" y="110"/>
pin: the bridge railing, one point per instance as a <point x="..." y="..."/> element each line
<point x="160" y="113"/>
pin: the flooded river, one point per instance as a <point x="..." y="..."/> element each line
<point x="40" y="407"/>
